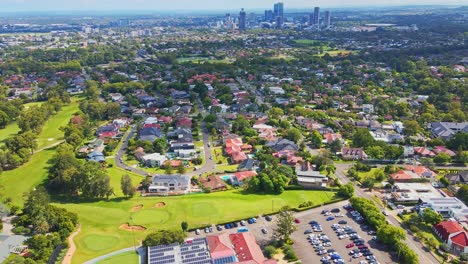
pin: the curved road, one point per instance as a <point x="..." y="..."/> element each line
<point x="424" y="256"/>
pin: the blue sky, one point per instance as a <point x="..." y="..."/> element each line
<point x="45" y="5"/>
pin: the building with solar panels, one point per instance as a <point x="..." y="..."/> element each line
<point x="192" y="252"/>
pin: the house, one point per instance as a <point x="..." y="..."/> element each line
<point x="399" y="127"/>
<point x="277" y="90"/>
<point x="96" y="156"/>
<point x="107" y="128"/>
<point x="446" y="130"/>
<point x="413" y="172"/>
<point x="442" y="149"/>
<point x="458" y="177"/>
<point x="353" y="154"/>
<point x="213" y="183"/>
<point x="423" y="152"/>
<point x="243" y="175"/>
<point x="282" y="144"/>
<point x="185" y="153"/>
<point x="149" y="134"/>
<point x="329" y="138"/>
<point x="221" y="249"/>
<point x="153" y="160"/>
<point x="181" y="253"/>
<point x="368" y="108"/>
<point x="453" y="234"/>
<point x="184" y="122"/>
<point x="238" y="157"/>
<point x="309" y="178"/>
<point x="166" y="184"/>
<point x="247" y="250"/>
<point x="247" y="165"/>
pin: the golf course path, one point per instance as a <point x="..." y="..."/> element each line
<point x="49" y="146"/>
<point x="103" y="257"/>
<point x="71" y="250"/>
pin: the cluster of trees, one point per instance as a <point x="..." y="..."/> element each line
<point x="94" y="108"/>
<point x="271" y="180"/>
<point x="164" y="237"/>
<point x="462" y="193"/>
<point x="285" y="225"/>
<point x="346" y="191"/>
<point x="51" y="225"/>
<point x="375" y="149"/>
<point x="9" y="111"/>
<point x="71" y="176"/>
<point x="18" y="148"/>
<point x="388" y="234"/>
<point x="77" y="130"/>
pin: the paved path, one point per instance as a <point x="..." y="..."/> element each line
<point x="425" y="256"/>
<point x="140" y="251"/>
<point x="71" y="250"/>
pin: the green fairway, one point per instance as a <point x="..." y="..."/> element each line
<point x="25" y="178"/>
<point x="51" y="131"/>
<point x="202" y="60"/>
<point x="8" y="131"/>
<point x="100" y="220"/>
<point x="124" y="258"/>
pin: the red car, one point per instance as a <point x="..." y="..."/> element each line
<point x="297" y="221"/>
<point x="350" y="245"/>
<point x="362" y="247"/>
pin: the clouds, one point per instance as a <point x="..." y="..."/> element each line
<point x="79" y="5"/>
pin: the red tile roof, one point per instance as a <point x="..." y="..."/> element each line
<point x="219" y="246"/>
<point x="401" y="176"/>
<point x="242" y="175"/>
<point x="446" y="228"/>
<point x="461" y="239"/>
<point x="247" y="249"/>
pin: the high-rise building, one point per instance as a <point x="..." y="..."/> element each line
<point x="316" y="15"/>
<point x="242" y="20"/>
<point x="269" y="15"/>
<point x="327" y="19"/>
<point x="311" y="19"/>
<point x="279" y="9"/>
<point x="228" y="24"/>
<point x="279" y="22"/>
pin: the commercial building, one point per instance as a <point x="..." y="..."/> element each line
<point x="192" y="252"/>
<point x="327" y="19"/>
<point x="414" y="192"/>
<point x="316" y="15"/>
<point x="242" y="20"/>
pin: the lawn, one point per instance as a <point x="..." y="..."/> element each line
<point x="202" y="60"/>
<point x="100" y="220"/>
<point x="124" y="258"/>
<point x="8" y="131"/>
<point x="51" y="131"/>
<point x="335" y="53"/>
<point x="25" y="178"/>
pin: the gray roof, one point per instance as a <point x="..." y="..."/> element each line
<point x="195" y="252"/>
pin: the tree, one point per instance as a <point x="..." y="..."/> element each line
<point x="442" y="158"/>
<point x="285" y="225"/>
<point x="4" y="119"/>
<point x="127" y="187"/>
<point x="336" y="146"/>
<point x="184" y="226"/>
<point x="164" y="237"/>
<point x="160" y="145"/>
<point x="181" y="169"/>
<point x="444" y="181"/>
<point x="362" y="139"/>
<point x="346" y="191"/>
<point x="330" y="169"/>
<point x="431" y="217"/>
<point x="411" y="127"/>
<point x="390" y="235"/>
<point x="316" y="139"/>
<point x="293" y="134"/>
<point x="368" y="183"/>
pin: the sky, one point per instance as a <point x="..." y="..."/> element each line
<point x="164" y="5"/>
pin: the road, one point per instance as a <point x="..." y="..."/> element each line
<point x="120" y="153"/>
<point x="424" y="255"/>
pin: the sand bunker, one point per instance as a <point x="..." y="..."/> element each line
<point x="159" y="205"/>
<point x="136" y="208"/>
<point x="132" y="228"/>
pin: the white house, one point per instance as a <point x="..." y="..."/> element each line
<point x="165" y="184"/>
<point x="153" y="160"/>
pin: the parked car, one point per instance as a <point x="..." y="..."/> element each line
<point x="330" y="218"/>
<point x="350" y="245"/>
<point x="308" y="231"/>
<point x="385" y="213"/>
<point x="219" y="228"/>
<point x="325" y="211"/>
<point x="363" y="246"/>
<point x="197" y="232"/>
<point x="243" y="223"/>
<point x="343" y="222"/>
<point x="335" y="210"/>
<point x="264" y="231"/>
<point x="358" y="255"/>
<point x="297" y="221"/>
<point x="268" y="218"/>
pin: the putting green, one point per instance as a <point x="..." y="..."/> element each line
<point x="99" y="242"/>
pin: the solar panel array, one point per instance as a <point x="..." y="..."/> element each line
<point x="195" y="252"/>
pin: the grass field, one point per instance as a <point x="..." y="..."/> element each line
<point x="335" y="53"/>
<point x="202" y="60"/>
<point x="51" y="131"/>
<point x="25" y="178"/>
<point x="8" y="131"/>
<point x="124" y="258"/>
<point x="100" y="220"/>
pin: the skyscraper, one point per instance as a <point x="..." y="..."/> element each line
<point x="311" y="19"/>
<point x="279" y="22"/>
<point x="279" y="9"/>
<point x="327" y="19"/>
<point x="316" y="15"/>
<point x="269" y="15"/>
<point x="242" y="20"/>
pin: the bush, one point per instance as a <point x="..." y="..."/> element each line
<point x="270" y="251"/>
<point x="306" y="204"/>
<point x="21" y="230"/>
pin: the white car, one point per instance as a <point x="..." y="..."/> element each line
<point x="342" y="237"/>
<point x="339" y="215"/>
<point x="357" y="255"/>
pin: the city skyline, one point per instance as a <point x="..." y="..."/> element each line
<point x="208" y="5"/>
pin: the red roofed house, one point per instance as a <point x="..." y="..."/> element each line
<point x="329" y="138"/>
<point x="424" y="152"/>
<point x="221" y="249"/>
<point x="238" y="157"/>
<point x="442" y="149"/>
<point x="236" y="149"/>
<point x="453" y="234"/>
<point x="402" y="176"/>
<point x="353" y="154"/>
<point x="422" y="172"/>
<point x="184" y="122"/>
<point x="242" y="175"/>
<point x="247" y="249"/>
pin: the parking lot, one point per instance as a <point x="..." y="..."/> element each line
<point x="306" y="251"/>
<point x="254" y="228"/>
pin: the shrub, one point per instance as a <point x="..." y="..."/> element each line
<point x="21" y="230"/>
<point x="270" y="251"/>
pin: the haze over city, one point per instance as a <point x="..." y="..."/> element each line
<point x="161" y="5"/>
